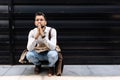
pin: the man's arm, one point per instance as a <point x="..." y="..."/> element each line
<point x="31" y="41"/>
<point x="51" y="44"/>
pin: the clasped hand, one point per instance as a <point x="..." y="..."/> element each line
<point x="39" y="31"/>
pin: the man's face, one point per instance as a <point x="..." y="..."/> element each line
<point x="40" y="20"/>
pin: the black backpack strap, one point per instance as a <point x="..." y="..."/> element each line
<point x="49" y="36"/>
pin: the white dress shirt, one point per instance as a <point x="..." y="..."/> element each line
<point x="51" y="44"/>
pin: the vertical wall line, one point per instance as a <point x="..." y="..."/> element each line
<point x="11" y="33"/>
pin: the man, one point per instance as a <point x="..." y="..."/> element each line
<point x="39" y="36"/>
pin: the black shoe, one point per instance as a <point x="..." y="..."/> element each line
<point x="37" y="69"/>
<point x="50" y="71"/>
<point x="59" y="74"/>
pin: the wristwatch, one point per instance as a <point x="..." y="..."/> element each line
<point x="43" y="36"/>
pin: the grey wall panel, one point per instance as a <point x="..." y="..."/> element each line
<point x="4" y="2"/>
<point x="4" y="33"/>
<point x="68" y="9"/>
<point x="66" y="2"/>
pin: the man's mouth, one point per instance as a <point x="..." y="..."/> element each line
<point x="42" y="27"/>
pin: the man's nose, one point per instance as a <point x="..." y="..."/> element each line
<point x="39" y="20"/>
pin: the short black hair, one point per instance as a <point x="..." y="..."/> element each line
<point x="40" y="14"/>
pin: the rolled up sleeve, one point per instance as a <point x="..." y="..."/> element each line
<point x="31" y="41"/>
<point x="51" y="44"/>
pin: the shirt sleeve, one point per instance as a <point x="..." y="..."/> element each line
<point x="31" y="41"/>
<point x="51" y="44"/>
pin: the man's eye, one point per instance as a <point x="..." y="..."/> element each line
<point x="39" y="20"/>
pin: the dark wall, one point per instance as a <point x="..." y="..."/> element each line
<point x="88" y="30"/>
<point x="4" y="32"/>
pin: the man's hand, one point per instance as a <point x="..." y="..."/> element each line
<point x="38" y="34"/>
<point x="39" y="31"/>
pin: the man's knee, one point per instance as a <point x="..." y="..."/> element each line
<point x="29" y="55"/>
<point x="52" y="54"/>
